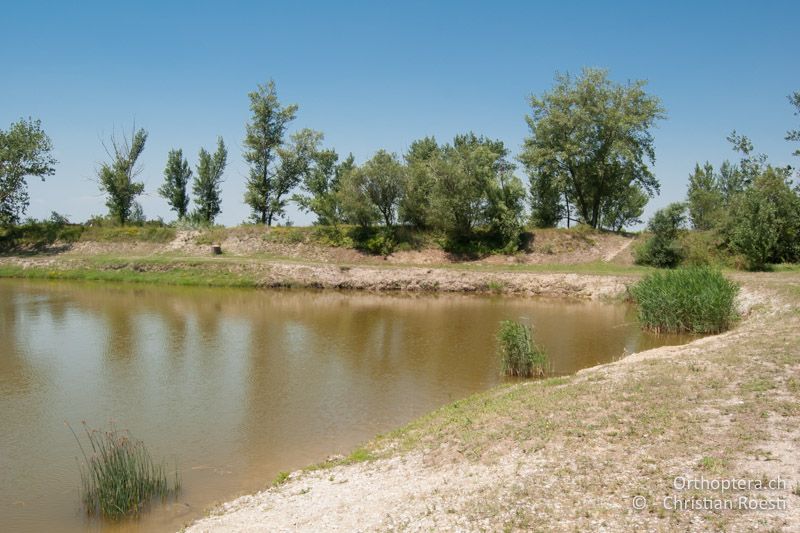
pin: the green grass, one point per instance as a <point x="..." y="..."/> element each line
<point x="519" y="355"/>
<point x="280" y="478"/>
<point x="694" y="300"/>
<point x="151" y="233"/>
<point x="179" y="275"/>
<point x="118" y="476"/>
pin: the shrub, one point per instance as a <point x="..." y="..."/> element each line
<point x="695" y="300"/>
<point x="702" y="248"/>
<point x="765" y="227"/>
<point x="662" y="249"/>
<point x="519" y="355"/>
<point x="39" y="234"/>
<point x="118" y="475"/>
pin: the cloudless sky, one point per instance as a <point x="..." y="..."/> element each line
<point x="376" y="75"/>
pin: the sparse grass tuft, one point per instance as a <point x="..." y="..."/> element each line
<point x="359" y="455"/>
<point x="695" y="300"/>
<point x="712" y="464"/>
<point x="118" y="475"/>
<point x="520" y="356"/>
<point x="280" y="479"/>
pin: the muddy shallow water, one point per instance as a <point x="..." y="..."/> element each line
<point x="237" y="385"/>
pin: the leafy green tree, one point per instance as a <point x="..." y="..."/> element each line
<point x="355" y="205"/>
<point x="266" y="187"/>
<point x="594" y="136"/>
<point x="794" y="135"/>
<point x="704" y="197"/>
<point x="547" y="206"/>
<point x="382" y="180"/>
<point x="415" y="206"/>
<point x="751" y="165"/>
<point x="176" y="179"/>
<point x="766" y="225"/>
<point x="117" y="178"/>
<point x="296" y="162"/>
<point x="463" y="175"/>
<point x="506" y="205"/>
<point x="730" y="181"/>
<point x="662" y="248"/>
<point x="321" y="185"/>
<point x="206" y="186"/>
<point x="624" y="207"/>
<point x="25" y="150"/>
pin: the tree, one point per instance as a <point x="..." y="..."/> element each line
<point x="463" y="174"/>
<point x="117" y="177"/>
<point x="25" y="150"/>
<point x="704" y="197"/>
<point x="415" y="206"/>
<point x="623" y="208"/>
<point x="176" y="178"/>
<point x="356" y="206"/>
<point x="662" y="249"/>
<point x="766" y="225"/>
<point x="794" y="135"/>
<point x="506" y="205"/>
<point x="295" y="164"/>
<point x="751" y="165"/>
<point x="206" y="186"/>
<point x="265" y="186"/>
<point x="382" y="180"/>
<point x="594" y="137"/>
<point x="322" y="186"/>
<point x="547" y="208"/>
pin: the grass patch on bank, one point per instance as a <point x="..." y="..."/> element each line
<point x="147" y="233"/>
<point x="693" y="300"/>
<point x="183" y="275"/>
<point x="118" y="475"/>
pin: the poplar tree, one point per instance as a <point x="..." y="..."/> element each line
<point x="176" y="178"/>
<point x="266" y="187"/>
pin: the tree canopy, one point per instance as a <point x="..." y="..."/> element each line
<point x="25" y="150"/>
<point x="117" y="178"/>
<point x="206" y="186"/>
<point x="591" y="138"/>
<point x="176" y="178"/>
<point x="266" y="187"/>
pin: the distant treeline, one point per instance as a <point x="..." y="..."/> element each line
<point x="587" y="159"/>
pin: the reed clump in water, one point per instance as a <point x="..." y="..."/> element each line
<point x="519" y="354"/>
<point x="118" y="476"/>
<point x="694" y="300"/>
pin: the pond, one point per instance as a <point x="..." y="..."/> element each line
<point x="237" y="385"/>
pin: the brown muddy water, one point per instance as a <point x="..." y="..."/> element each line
<point x="237" y="385"/>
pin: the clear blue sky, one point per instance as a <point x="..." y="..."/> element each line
<point x="376" y="75"/>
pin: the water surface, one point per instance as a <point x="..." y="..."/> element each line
<point x="237" y="385"/>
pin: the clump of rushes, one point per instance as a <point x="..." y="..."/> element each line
<point x="118" y="475"/>
<point x="519" y="355"/>
<point x="694" y="300"/>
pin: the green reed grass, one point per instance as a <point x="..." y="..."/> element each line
<point x="694" y="300"/>
<point x="118" y="476"/>
<point x="519" y="354"/>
